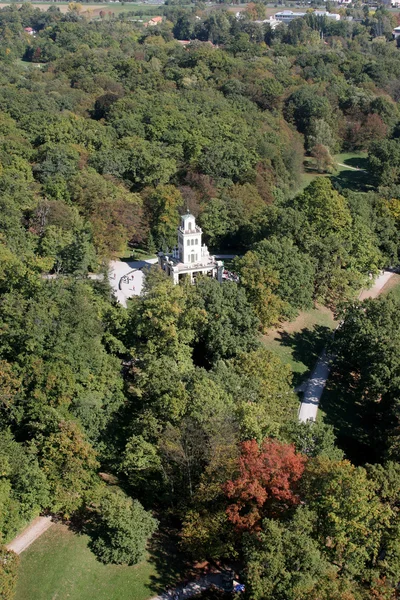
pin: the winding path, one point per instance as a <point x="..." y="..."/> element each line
<point x="317" y="382"/>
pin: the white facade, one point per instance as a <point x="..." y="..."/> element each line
<point x="191" y="257"/>
<point x="286" y="16"/>
<point x="328" y="15"/>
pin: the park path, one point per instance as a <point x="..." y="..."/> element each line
<point x="317" y="382"/>
<point x="29" y="534"/>
<point x="351" y="168"/>
<point x="194" y="588"/>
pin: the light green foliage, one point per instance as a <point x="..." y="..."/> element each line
<point x="295" y="271"/>
<point x="230" y="325"/>
<point x="121" y="529"/>
<point x="348" y="512"/>
<point x="286" y="563"/>
<point x="261" y="388"/>
<point x="314" y="439"/>
<point x="8" y="573"/>
<point x="162" y="207"/>
<point x="68" y="462"/>
<point x="261" y="283"/>
<point x="24" y="487"/>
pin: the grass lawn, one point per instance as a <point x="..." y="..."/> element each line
<point x="346" y="176"/>
<point x="393" y="286"/>
<point x="60" y="566"/>
<point x="299" y="342"/>
<point x="134" y="254"/>
<point x="341" y="408"/>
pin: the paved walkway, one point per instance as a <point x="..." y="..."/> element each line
<point x="351" y="168"/>
<point x="377" y="287"/>
<point x="317" y="382"/>
<point x="30" y="534"/>
<point x="126" y="278"/>
<point x="193" y="588"/>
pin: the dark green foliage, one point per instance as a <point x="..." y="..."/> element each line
<point x="106" y="138"/>
<point x="230" y="326"/>
<point x="367" y="347"/>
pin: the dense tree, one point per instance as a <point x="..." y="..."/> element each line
<point x="120" y="528"/>
<point x="285" y="562"/>
<point x="230" y="325"/>
<point x="8" y="573"/>
<point x="266" y="484"/>
<point x="68" y="461"/>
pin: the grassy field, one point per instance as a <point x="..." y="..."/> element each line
<point x="347" y="174"/>
<point x="393" y="286"/>
<point x="60" y="566"/>
<point x="298" y="343"/>
<point x="94" y="8"/>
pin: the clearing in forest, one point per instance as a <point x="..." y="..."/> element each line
<point x="300" y="342"/>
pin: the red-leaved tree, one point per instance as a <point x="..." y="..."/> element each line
<point x="266" y="484"/>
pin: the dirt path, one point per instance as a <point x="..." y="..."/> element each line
<point x="30" y="534"/>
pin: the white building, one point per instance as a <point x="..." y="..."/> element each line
<point x="328" y="15"/>
<point x="396" y="32"/>
<point x="191" y="258"/>
<point x="286" y="16"/>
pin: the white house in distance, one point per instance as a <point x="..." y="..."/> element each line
<point x="286" y="16"/>
<point x="190" y="258"/>
<point x="396" y="32"/>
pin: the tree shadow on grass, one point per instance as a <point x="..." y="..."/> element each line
<point x="350" y="418"/>
<point x="170" y="564"/>
<point x="357" y="162"/>
<point x="306" y="344"/>
<point x="357" y="181"/>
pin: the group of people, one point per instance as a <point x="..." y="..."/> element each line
<point x="230" y="276"/>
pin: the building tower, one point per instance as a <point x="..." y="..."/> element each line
<point x="190" y="258"/>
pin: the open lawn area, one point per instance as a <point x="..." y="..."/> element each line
<point x="350" y="172"/>
<point x="60" y="566"/>
<point x="299" y="342"/>
<point x="393" y="286"/>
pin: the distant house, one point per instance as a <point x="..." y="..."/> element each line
<point x="29" y="30"/>
<point x="154" y="21"/>
<point x="286" y="16"/>
<point x="396" y="32"/>
<point x="328" y="15"/>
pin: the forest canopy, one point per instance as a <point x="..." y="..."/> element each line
<point x="109" y="130"/>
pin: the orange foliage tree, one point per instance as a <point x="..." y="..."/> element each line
<point x="266" y="483"/>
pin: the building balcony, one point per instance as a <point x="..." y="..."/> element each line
<point x="197" y="266"/>
<point x="196" y="229"/>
